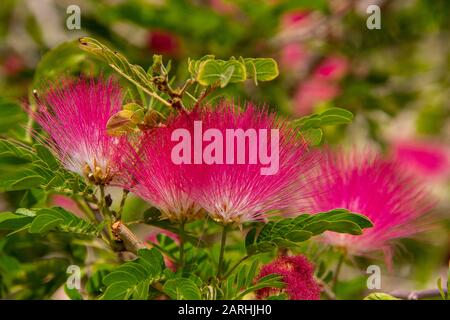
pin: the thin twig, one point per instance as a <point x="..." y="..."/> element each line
<point x="417" y="295"/>
<point x="130" y="240"/>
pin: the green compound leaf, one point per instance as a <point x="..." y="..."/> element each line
<point x="132" y="279"/>
<point x="182" y="289"/>
<point x="290" y="232"/>
<point x="380" y="296"/>
<point x="261" y="69"/>
<point x="59" y="219"/>
<point x="332" y="116"/>
<point x="220" y="72"/>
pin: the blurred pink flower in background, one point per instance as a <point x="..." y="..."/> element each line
<point x="223" y="6"/>
<point x="13" y="64"/>
<point x="331" y="68"/>
<point x="66" y="203"/>
<point x="153" y="238"/>
<point x="163" y="42"/>
<point x="296" y="273"/>
<point x="362" y="182"/>
<point x="295" y="19"/>
<point x="322" y="86"/>
<point x="429" y="160"/>
<point x="311" y="92"/>
<point x="293" y="56"/>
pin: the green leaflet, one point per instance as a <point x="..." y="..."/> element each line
<point x="290" y="232"/>
<point x="132" y="279"/>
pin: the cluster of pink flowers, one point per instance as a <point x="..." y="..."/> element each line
<point x="75" y="115"/>
<point x="229" y="193"/>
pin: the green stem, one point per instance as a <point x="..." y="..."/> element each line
<point x="222" y="250"/>
<point x="337" y="270"/>
<point x="122" y="202"/>
<point x="181" y="260"/>
<point x="86" y="209"/>
<point x="235" y="266"/>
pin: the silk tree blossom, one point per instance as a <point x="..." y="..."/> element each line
<point x="236" y="165"/>
<point x="426" y="159"/>
<point x="157" y="179"/>
<point x="75" y="114"/>
<point x="296" y="273"/>
<point x="237" y="191"/>
<point x="365" y="183"/>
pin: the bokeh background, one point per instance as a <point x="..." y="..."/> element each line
<point x="395" y="79"/>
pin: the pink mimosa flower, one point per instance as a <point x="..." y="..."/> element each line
<point x="163" y="42"/>
<point x="364" y="183"/>
<point x="331" y="68"/>
<point x="428" y="160"/>
<point x="295" y="19"/>
<point x="237" y="165"/>
<point x="157" y="179"/>
<point x="232" y="190"/>
<point x="293" y="56"/>
<point x="297" y="274"/>
<point x="75" y="115"/>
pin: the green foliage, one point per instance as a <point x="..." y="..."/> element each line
<point x="182" y="289"/>
<point x="311" y="126"/>
<point x="380" y="296"/>
<point x="289" y="232"/>
<point x="132" y="72"/>
<point x="132" y="279"/>
<point x="44" y="220"/>
<point x="445" y="294"/>
<point x="210" y="71"/>
<point x="34" y="167"/>
<point x="11" y="114"/>
<point x="58" y="61"/>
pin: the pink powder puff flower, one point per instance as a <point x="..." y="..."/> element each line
<point x="295" y="19"/>
<point x="237" y="191"/>
<point x="228" y="191"/>
<point x="294" y="56"/>
<point x="331" y="68"/>
<point x="296" y="273"/>
<point x="364" y="183"/>
<point x="75" y="114"/>
<point x="163" y="42"/>
<point x="157" y="179"/>
<point x="428" y="160"/>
